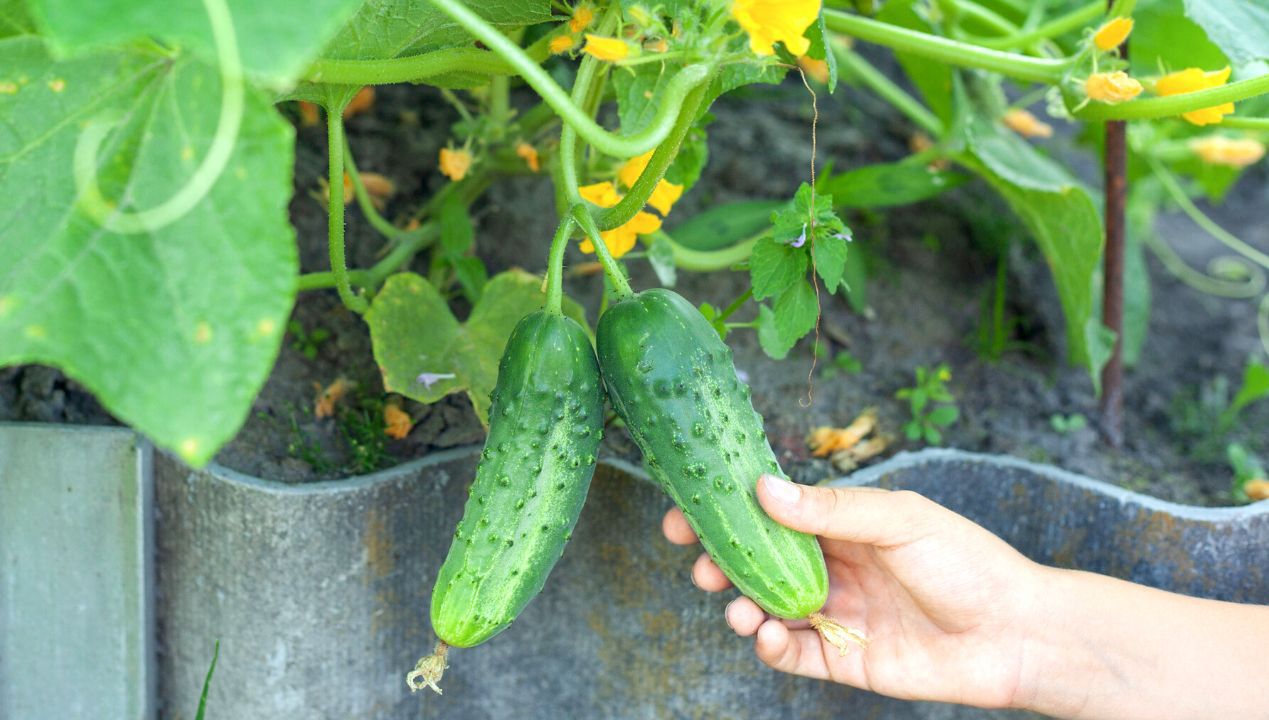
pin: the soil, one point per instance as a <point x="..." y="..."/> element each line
<point x="930" y="273"/>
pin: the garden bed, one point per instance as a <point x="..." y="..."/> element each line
<point x="928" y="283"/>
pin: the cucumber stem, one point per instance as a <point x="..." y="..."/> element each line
<point x="613" y="270"/>
<point x="836" y="634"/>
<point x="555" y="266"/>
<point x="428" y="670"/>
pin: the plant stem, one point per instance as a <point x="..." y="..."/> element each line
<point x="735" y="305"/>
<point x="537" y="78"/>
<point x="611" y="269"/>
<point x="408" y="69"/>
<point x="1202" y="220"/>
<point x="1245" y="123"/>
<point x="1159" y="107"/>
<point x="377" y="221"/>
<point x="555" y="265"/>
<point x="335" y="210"/>
<point x="583" y="85"/>
<point x="985" y="17"/>
<point x="691" y="260"/>
<point x="934" y="47"/>
<point x="633" y="202"/>
<point x="1056" y="27"/>
<point x="855" y="64"/>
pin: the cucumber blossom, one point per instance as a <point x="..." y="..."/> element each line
<point x="545" y="424"/>
<point x="671" y="378"/>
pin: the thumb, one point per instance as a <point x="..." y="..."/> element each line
<point x="864" y="515"/>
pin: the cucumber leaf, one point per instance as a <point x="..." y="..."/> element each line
<point x="888" y="184"/>
<point x="425" y="353"/>
<point x="276" y="39"/>
<point x="174" y="329"/>
<point x="1238" y="27"/>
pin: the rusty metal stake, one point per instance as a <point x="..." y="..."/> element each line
<point x="1115" y="180"/>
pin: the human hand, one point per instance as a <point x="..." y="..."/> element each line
<point x="947" y="606"/>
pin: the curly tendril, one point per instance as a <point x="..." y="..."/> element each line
<point x="106" y="213"/>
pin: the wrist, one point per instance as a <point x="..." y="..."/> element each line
<point x="1058" y="665"/>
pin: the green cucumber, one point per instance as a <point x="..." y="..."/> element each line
<point x="545" y="424"/>
<point x="672" y="380"/>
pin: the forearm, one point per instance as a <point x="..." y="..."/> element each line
<point x="1111" y="649"/>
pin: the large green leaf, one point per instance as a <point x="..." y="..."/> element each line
<point x="176" y="328"/>
<point x="1059" y="213"/>
<point x="423" y="351"/>
<point x="1238" y="27"/>
<point x="14" y="19"/>
<point x="386" y="28"/>
<point x="276" y="39"/>
<point x="1162" y="37"/>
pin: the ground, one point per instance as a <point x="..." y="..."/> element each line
<point x="930" y="278"/>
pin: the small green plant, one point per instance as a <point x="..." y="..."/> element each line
<point x="932" y="405"/>
<point x="1209" y="413"/>
<point x="301" y="446"/>
<point x="1065" y="424"/>
<point x="362" y="428"/>
<point x="202" y="700"/>
<point x="1250" y="480"/>
<point x="304" y="342"/>
<point x="843" y="363"/>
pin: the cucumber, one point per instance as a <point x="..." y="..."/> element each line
<point x="545" y="424"/>
<point x="672" y="380"/>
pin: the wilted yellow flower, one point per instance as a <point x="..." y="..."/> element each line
<point x="455" y="163"/>
<point x="327" y="397"/>
<point x="824" y="441"/>
<point x="396" y="422"/>
<point x="1220" y="150"/>
<point x="621" y="240"/>
<point x="530" y="155"/>
<point x="771" y="21"/>
<point x="1026" y="124"/>
<point x="1257" y="489"/>
<point x="606" y="48"/>
<point x="1112" y="34"/>
<point x="561" y="44"/>
<point x="1112" y="87"/>
<point x="817" y="70"/>
<point x="1192" y="80"/>
<point x="664" y="195"/>
<point x="581" y="18"/>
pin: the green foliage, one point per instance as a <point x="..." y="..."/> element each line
<point x="1247" y="468"/>
<point x="724" y="225"/>
<point x="931" y="405"/>
<point x="1238" y="27"/>
<point x="1066" y="424"/>
<point x="304" y="342"/>
<point x="843" y="363"/>
<point x="173" y="328"/>
<point x="425" y="353"/>
<point x="1209" y="413"/>
<point x="888" y="184"/>
<point x="202" y="698"/>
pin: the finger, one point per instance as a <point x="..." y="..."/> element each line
<point x="861" y="515"/>
<point x="744" y="616"/>
<point x="707" y="576"/>
<point x="792" y="651"/>
<point x="676" y="528"/>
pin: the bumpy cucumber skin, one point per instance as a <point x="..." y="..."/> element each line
<point x="672" y="380"/>
<point x="545" y="425"/>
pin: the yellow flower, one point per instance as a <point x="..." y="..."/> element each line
<point x="1112" y="87"/>
<point x="455" y="163"/>
<point x="581" y="18"/>
<point x="1112" y="34"/>
<point x="561" y="44"/>
<point x="602" y="194"/>
<point x="817" y="70"/>
<point x="621" y="240"/>
<point x="1220" y="150"/>
<point x="771" y="21"/>
<point x="1026" y="124"/>
<point x="633" y="168"/>
<point x="664" y="195"/>
<point x="606" y="48"/>
<point x="1191" y="80"/>
<point x="530" y="155"/>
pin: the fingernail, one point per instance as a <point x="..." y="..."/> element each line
<point x="781" y="490"/>
<point x="727" y="614"/>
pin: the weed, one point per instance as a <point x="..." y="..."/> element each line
<point x="932" y="406"/>
<point x="1065" y="424"/>
<point x="306" y="343"/>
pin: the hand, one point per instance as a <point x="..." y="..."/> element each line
<point x="947" y="606"/>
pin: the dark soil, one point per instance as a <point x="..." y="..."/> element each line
<point x="931" y="273"/>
